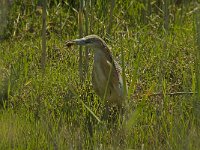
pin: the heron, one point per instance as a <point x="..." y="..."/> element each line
<point x="107" y="80"/>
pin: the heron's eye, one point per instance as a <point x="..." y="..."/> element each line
<point x="87" y="42"/>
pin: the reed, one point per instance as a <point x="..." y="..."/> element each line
<point x="43" y="59"/>
<point x="197" y="64"/>
<point x="80" y="25"/>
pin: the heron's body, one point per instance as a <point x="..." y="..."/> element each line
<point x="106" y="75"/>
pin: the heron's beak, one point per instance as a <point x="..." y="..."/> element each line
<point x="81" y="41"/>
<point x="69" y="43"/>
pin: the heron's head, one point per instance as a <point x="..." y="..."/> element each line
<point x="92" y="41"/>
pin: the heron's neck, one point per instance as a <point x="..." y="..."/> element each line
<point x="102" y="53"/>
<point x="99" y="55"/>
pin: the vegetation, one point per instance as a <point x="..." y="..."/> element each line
<point x="53" y="105"/>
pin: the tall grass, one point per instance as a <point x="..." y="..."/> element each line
<point x="158" y="54"/>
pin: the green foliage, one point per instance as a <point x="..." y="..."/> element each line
<point x="57" y="111"/>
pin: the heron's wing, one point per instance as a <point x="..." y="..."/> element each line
<point x="118" y="68"/>
<point x="120" y="83"/>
